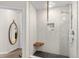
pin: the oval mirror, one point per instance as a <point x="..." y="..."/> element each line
<point x="13" y="33"/>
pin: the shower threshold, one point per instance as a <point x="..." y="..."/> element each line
<point x="48" y="55"/>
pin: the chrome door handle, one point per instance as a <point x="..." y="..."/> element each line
<point x="73" y="33"/>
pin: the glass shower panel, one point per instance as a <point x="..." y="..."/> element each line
<point x="58" y="16"/>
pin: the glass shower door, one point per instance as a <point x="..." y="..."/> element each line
<point x="73" y="30"/>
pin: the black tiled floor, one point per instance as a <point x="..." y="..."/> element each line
<point x="48" y="55"/>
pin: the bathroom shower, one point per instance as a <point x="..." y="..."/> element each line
<point x="55" y="23"/>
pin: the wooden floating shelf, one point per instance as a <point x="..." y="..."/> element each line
<point x="38" y="44"/>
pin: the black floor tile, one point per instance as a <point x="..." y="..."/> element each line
<point x="48" y="55"/>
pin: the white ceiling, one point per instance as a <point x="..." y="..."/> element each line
<point x="12" y="4"/>
<point x="39" y="4"/>
<point x="43" y="4"/>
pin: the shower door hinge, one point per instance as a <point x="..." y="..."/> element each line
<point x="73" y="33"/>
<point x="71" y="17"/>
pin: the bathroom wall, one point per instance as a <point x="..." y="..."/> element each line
<point x="6" y="18"/>
<point x="55" y="41"/>
<point x="20" y="30"/>
<point x="32" y="28"/>
<point x="78" y="29"/>
<point x="22" y="6"/>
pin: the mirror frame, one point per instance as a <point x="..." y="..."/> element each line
<point x="10" y="32"/>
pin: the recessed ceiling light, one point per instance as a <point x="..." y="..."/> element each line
<point x="51" y="4"/>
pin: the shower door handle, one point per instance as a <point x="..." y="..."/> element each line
<point x="73" y="33"/>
